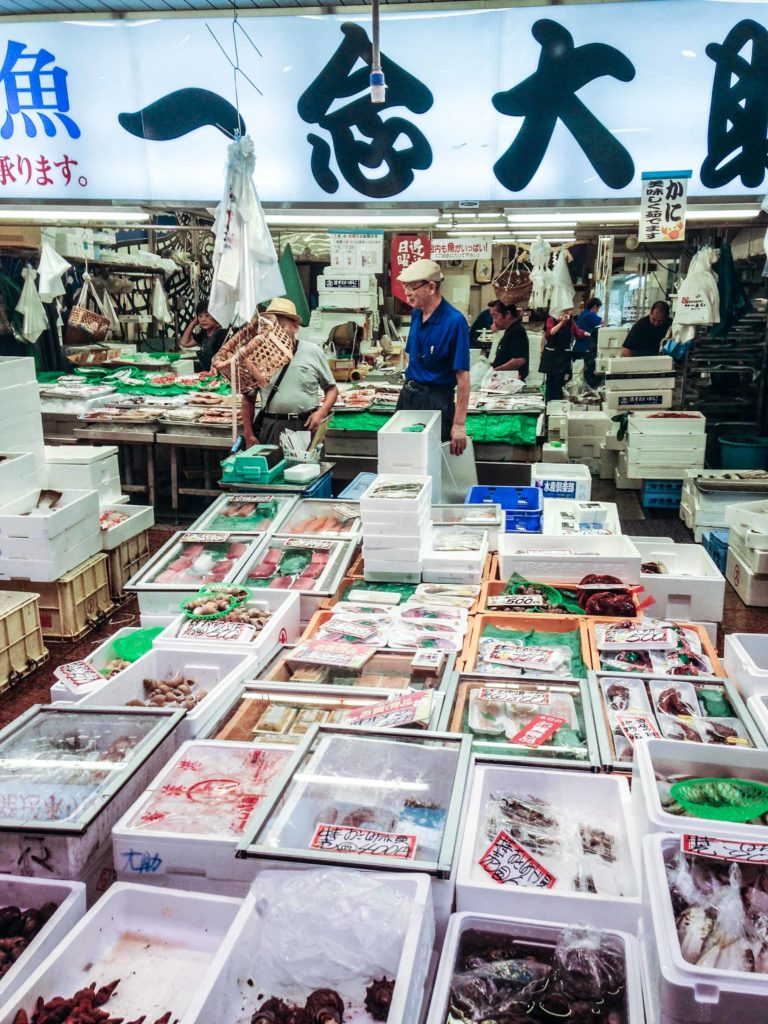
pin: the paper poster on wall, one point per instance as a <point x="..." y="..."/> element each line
<point x="663" y="200"/>
<point x="461" y="249"/>
<point x="360" y="252"/>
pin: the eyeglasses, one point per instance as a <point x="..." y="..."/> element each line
<point x="414" y="287"/>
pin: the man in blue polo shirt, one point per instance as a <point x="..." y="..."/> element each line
<point x="438" y="353"/>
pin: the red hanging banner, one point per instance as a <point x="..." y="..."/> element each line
<point x="406" y="249"/>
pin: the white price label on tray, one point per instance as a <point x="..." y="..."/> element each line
<point x="250" y="499"/>
<point x="346" y="511"/>
<point x="637" y="727"/>
<point x="726" y="849"/>
<point x="217" y="629"/>
<point x="347" y="839"/>
<point x="310" y="545"/>
<point x="205" y="538"/>
<point x="394" y="713"/>
<point x="513" y="696"/>
<point x="77" y="674"/>
<point x="517" y="601"/>
<point x="507" y="862"/>
<point x="359" y="630"/>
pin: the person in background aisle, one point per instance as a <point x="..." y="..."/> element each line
<point x="206" y="333"/>
<point x="483" y="322"/>
<point x="512" y="353"/>
<point x="559" y="335"/>
<point x="290" y="400"/>
<point x="589" y="320"/>
<point x="645" y="337"/>
<point x="438" y="353"/>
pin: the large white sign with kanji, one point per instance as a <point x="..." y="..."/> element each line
<point x="561" y="105"/>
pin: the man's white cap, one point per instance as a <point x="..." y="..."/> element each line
<point x="421" y="270"/>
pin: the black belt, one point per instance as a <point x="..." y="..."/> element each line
<point x="421" y="385"/>
<point x="288" y="415"/>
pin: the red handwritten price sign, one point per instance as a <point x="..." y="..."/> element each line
<point x="538" y="731"/>
<point x="726" y="849"/>
<point x="637" y="727"/>
<point x="343" y="839"/>
<point x="514" y="696"/>
<point x="507" y="862"/>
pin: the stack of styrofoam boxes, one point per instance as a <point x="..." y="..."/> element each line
<point x="610" y="341"/>
<point x="395" y="529"/>
<point x="663" y="447"/>
<point x="557" y="420"/>
<point x="573" y="518"/>
<point x="641" y="382"/>
<point x="707" y="493"/>
<point x="610" y="449"/>
<point x="21" y="422"/>
<point x="405" y="451"/>
<point x="83" y="468"/>
<point x="690" y="589"/>
<point x="746" y="568"/>
<point x="586" y="433"/>
<point x="42" y="544"/>
<point x="339" y="290"/>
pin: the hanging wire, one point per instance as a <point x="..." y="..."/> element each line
<point x="235" y="64"/>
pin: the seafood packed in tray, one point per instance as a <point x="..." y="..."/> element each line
<point x="570" y="852"/>
<point x="319" y="517"/>
<point x="193" y="564"/>
<point x="697" y="711"/>
<point x="18" y="928"/>
<point x="499" y="977"/>
<point x="655" y="647"/>
<point x="245" y="513"/>
<point x="173" y="692"/>
<point x="290" y="568"/>
<point x="84" y="1007"/>
<point x="595" y="595"/>
<point x="512" y="715"/>
<point x="721" y="912"/>
<point x="410" y="626"/>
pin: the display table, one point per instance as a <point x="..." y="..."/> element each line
<point x="179" y="444"/>
<point x="136" y="452"/>
<point x="320" y="487"/>
<point x="482" y="427"/>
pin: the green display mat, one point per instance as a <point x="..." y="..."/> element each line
<point x="482" y="427"/>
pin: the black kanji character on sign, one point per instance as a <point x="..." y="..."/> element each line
<point x="28" y="87"/>
<point x="738" y="114"/>
<point x="550" y="93"/>
<point x="360" y="117"/>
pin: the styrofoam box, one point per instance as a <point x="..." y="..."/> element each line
<point x="27" y="893"/>
<point x="752" y="514"/>
<point x="608" y="462"/>
<point x="604" y="515"/>
<point x="19" y="475"/>
<point x="524" y="930"/>
<point x="283" y="627"/>
<point x="557" y="453"/>
<point x="78" y="509"/>
<point x="98" y="659"/>
<point x="53" y="557"/>
<point x="683" y="993"/>
<point x="615" y="556"/>
<point x="622" y="480"/>
<point x="17" y="401"/>
<point x="639" y="365"/>
<point x="755" y="561"/>
<point x="17" y="370"/>
<point x="584" y="449"/>
<point x="751" y="588"/>
<point x="611" y="337"/>
<point x="633" y="471"/>
<point x="750" y="540"/>
<point x="80" y="454"/>
<point x="562" y="481"/>
<point x="397" y="524"/>
<point x="687" y="422"/>
<point x="232" y="997"/>
<point x="745" y="660"/>
<point x="84" y="468"/>
<point x="394" y="506"/>
<point x="462" y="515"/>
<point x="673" y="759"/>
<point x="156" y="621"/>
<point x="454" y="566"/>
<point x="589" y="424"/>
<point x="403" y="451"/>
<point x="604" y="800"/>
<point x="166" y="946"/>
<point x="758" y="708"/>
<point x="140" y="518"/>
<point x="626" y="401"/>
<point x="692" y="588"/>
<point x="211" y="670"/>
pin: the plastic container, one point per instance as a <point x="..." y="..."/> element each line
<point x="317" y="517"/>
<point x="21" y="638"/>
<point x="125" y="561"/>
<point x="354" y="490"/>
<point x="525" y="931"/>
<point x="692" y="588"/>
<point x="674" y="759"/>
<point x="603" y="805"/>
<point x="661" y="493"/>
<point x="744" y="452"/>
<point x="716" y="545"/>
<point x="140" y="518"/>
<point x="153" y="939"/>
<point x="562" y="481"/>
<point x="563" y="517"/>
<point x="745" y="659"/>
<point x="523" y="507"/>
<point x="568" y="559"/>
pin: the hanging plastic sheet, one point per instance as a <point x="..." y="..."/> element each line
<point x="161" y="314"/>
<point x="562" y="286"/>
<point x="31" y="308"/>
<point x="50" y="269"/>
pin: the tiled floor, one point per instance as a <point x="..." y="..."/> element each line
<point x="635" y="523"/>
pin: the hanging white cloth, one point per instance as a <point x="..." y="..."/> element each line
<point x="245" y="267"/>
<point x="562" y="286"/>
<point x="539" y="254"/>
<point x="109" y="310"/>
<point x="31" y="308"/>
<point x="161" y="313"/>
<point x="50" y="269"/>
<point x="697" y="302"/>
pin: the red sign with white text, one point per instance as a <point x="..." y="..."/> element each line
<point x="406" y="249"/>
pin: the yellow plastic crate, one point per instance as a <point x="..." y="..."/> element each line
<point x="73" y="604"/>
<point x="125" y="561"/>
<point x="21" y="639"/>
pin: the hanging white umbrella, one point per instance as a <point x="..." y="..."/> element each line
<point x="245" y="266"/>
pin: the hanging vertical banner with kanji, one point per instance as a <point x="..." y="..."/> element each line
<point x="663" y="199"/>
<point x="406" y="249"/>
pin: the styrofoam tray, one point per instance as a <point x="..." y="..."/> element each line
<point x="27" y="893"/>
<point x="19" y="475"/>
<point x="693" y="588"/>
<point x="140" y="518"/>
<point x="211" y="670"/>
<point x="98" y="658"/>
<point x="603" y="515"/>
<point x="523" y="929"/>
<point x="745" y="660"/>
<point x="753" y="514"/>
<point x="231" y="999"/>
<point x="61" y="554"/>
<point x="602" y="802"/>
<point x="166" y="947"/>
<point x="687" y="422"/>
<point x="677" y="760"/>
<point x="22" y="518"/>
<point x="567" y="559"/>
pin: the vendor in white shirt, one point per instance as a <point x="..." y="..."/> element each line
<point x="293" y="405"/>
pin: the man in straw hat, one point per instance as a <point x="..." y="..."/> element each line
<point x="290" y="400"/>
<point x="438" y="353"/>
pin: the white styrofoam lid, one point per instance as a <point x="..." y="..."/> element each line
<point x="75" y="454"/>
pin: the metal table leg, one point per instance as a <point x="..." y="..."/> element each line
<point x="175" y="481"/>
<point x="151" y="474"/>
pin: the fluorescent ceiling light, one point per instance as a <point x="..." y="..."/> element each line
<point x="625" y="216"/>
<point x="461" y="216"/>
<point x="722" y="213"/>
<point x="474" y="229"/>
<point x="474" y="234"/>
<point x="48" y="213"/>
<point x="489" y="215"/>
<point x="362" y="220"/>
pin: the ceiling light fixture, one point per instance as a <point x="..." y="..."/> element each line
<point x="41" y="214"/>
<point x="376" y="218"/>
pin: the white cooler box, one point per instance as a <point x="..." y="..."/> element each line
<point x="745" y="660"/>
<point x="692" y="588"/>
<point x="751" y="547"/>
<point x="98" y="659"/>
<point x="140" y="518"/>
<point x="751" y="587"/>
<point x="403" y="451"/>
<point x="601" y="802"/>
<point x="572" y="518"/>
<point x="567" y="559"/>
<point x="84" y="467"/>
<point x="562" y="481"/>
<point x="20" y="475"/>
<point x="44" y="544"/>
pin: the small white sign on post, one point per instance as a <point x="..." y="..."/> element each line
<point x="361" y="252"/>
<point x="663" y="201"/>
<point x="461" y="249"/>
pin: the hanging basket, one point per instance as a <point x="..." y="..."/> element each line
<point x="85" y="325"/>
<point x="513" y="286"/>
<point x="260" y="349"/>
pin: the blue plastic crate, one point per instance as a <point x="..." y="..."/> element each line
<point x="523" y="506"/>
<point x="320" y="488"/>
<point x="661" y="493"/>
<point x="716" y="545"/>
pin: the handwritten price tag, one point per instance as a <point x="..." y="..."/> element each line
<point x="538" y="731"/>
<point x="217" y="630"/>
<point x="513" y="696"/>
<point x="346" y="511"/>
<point x="411" y="708"/>
<point x="205" y="538"/>
<point x="726" y="849"/>
<point x="251" y="499"/>
<point x="77" y="674"/>
<point x="343" y="839"/>
<point x="516" y="601"/>
<point x="507" y="862"/>
<point x="637" y="727"/>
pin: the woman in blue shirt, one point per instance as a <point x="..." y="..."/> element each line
<point x="589" y="320"/>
